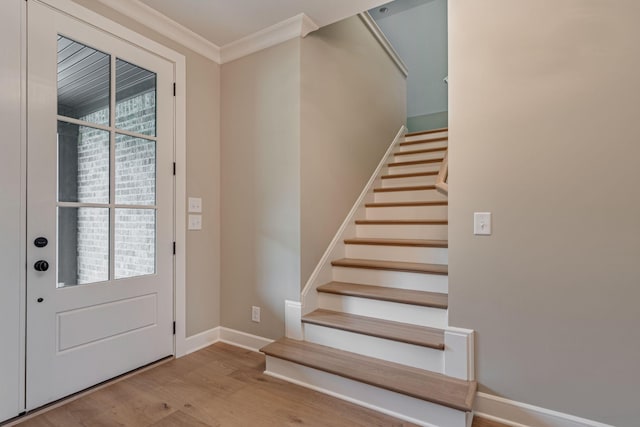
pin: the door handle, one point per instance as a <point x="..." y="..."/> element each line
<point x="41" y="265"/>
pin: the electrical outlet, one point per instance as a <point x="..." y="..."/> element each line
<point x="255" y="314"/>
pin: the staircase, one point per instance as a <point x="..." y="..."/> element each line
<point x="373" y="326"/>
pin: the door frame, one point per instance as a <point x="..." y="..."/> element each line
<point x="179" y="201"/>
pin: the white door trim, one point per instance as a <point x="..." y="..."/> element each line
<point x="180" y="155"/>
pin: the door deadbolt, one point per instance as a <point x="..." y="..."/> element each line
<point x="41" y="242"/>
<point x="41" y="265"/>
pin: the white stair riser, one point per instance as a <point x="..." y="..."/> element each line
<point x="399" y="253"/>
<point x="414" y="410"/>
<point x="409" y="181"/>
<point x="434" y="232"/>
<point x="426" y="136"/>
<point x="392" y="279"/>
<point x="408" y="196"/>
<point x="416" y="356"/>
<point x="424" y="146"/>
<point x="386" y="310"/>
<point x="408" y="212"/>
<point x="418" y="156"/>
<point x="429" y="167"/>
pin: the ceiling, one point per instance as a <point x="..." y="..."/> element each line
<point x="224" y="21"/>
<point x="395" y="7"/>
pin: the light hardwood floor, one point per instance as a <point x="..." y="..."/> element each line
<point x="221" y="385"/>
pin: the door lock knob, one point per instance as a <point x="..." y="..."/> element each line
<point x="41" y="265"/>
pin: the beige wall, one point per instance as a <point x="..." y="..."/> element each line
<point x="353" y="104"/>
<point x="261" y="188"/>
<point x="203" y="174"/>
<point x="304" y="125"/>
<point x="11" y="214"/>
<point x="544" y="133"/>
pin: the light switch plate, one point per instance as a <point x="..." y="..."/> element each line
<point x="482" y="223"/>
<point x="195" y="222"/>
<point x="195" y="204"/>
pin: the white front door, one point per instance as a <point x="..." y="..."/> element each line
<point x="100" y="138"/>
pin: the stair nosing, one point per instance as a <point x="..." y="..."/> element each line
<point x="360" y="291"/>
<point x="415" y="162"/>
<point x="423" y="243"/>
<point x="406" y="188"/>
<point x="425" y="151"/>
<point x="424" y="141"/>
<point x="430" y="379"/>
<point x="409" y="175"/>
<point x="408" y="267"/>
<point x="401" y="222"/>
<point x="369" y="330"/>
<point x="427" y="132"/>
<point x="406" y="204"/>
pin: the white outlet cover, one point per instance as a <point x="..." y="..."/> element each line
<point x="195" y="204"/>
<point x="195" y="222"/>
<point x="482" y="223"/>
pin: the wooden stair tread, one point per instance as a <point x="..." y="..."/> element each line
<point x="406" y="204"/>
<point x="421" y="243"/>
<point x="427" y="150"/>
<point x="409" y="175"/>
<point x="424" y="141"/>
<point x="426" y="132"/>
<point x="411" y="188"/>
<point x="402" y="222"/>
<point x="396" y="331"/>
<point x="415" y="162"/>
<point x="382" y="293"/>
<point x="410" y="267"/>
<point x="414" y="382"/>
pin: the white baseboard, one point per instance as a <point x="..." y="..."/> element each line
<point x="201" y="340"/>
<point x="519" y="414"/>
<point x="225" y="335"/>
<point x="242" y="339"/>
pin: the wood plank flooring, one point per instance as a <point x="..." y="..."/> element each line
<point x="220" y="385"/>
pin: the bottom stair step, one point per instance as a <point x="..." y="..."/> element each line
<point x="417" y="383"/>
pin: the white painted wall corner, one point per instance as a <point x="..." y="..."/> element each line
<point x="293" y="320"/>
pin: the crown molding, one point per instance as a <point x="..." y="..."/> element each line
<point x="296" y="26"/>
<point x="384" y="42"/>
<point x="153" y="19"/>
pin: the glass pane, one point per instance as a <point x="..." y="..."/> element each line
<point x="135" y="242"/>
<point x="83" y="246"/>
<point x="83" y="164"/>
<point x="135" y="99"/>
<point x="135" y="171"/>
<point x="83" y="82"/>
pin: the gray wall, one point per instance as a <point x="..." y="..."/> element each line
<point x="419" y="34"/>
<point x="11" y="214"/>
<point x="353" y="104"/>
<point x="544" y="134"/>
<point x="203" y="174"/>
<point x="304" y="125"/>
<point x="261" y="187"/>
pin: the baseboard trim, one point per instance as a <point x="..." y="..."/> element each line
<point x="518" y="414"/>
<point x="201" y="340"/>
<point x="225" y="335"/>
<point x="243" y="339"/>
